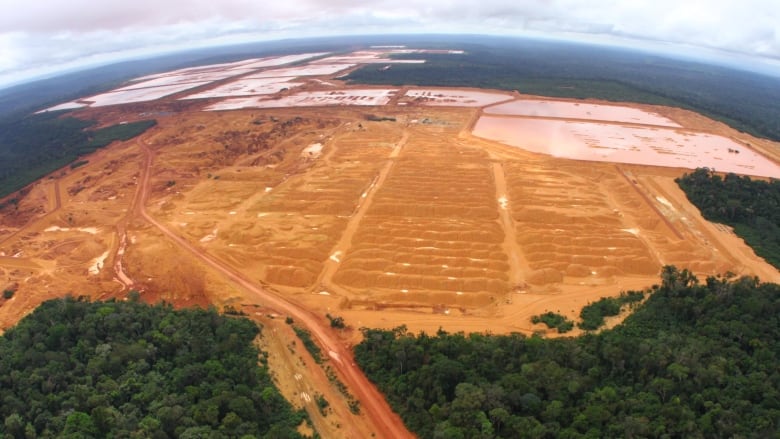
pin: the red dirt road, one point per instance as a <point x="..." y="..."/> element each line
<point x="387" y="423"/>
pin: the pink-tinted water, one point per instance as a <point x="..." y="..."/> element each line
<point x="281" y="60"/>
<point x="626" y="144"/>
<point x="138" y="95"/>
<point x="305" y="70"/>
<point x="367" y="97"/>
<point x="165" y="81"/>
<point x="576" y="110"/>
<point x="454" y="97"/>
<point x="247" y="87"/>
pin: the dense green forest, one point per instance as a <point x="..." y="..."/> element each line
<point x="747" y="101"/>
<point x="36" y="145"/>
<point x="694" y="360"/>
<point x="751" y="207"/>
<point x="593" y="314"/>
<point x="123" y="131"/>
<point x="80" y="369"/>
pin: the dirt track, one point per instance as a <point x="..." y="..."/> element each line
<point x="386" y="422"/>
<point x="449" y="225"/>
<point x="408" y="220"/>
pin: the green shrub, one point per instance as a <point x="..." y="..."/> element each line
<point x="554" y="320"/>
<point x="335" y="322"/>
<point x="309" y="343"/>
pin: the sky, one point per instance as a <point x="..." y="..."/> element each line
<point x="42" y="37"/>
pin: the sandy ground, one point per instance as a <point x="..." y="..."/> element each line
<point x="300" y="381"/>
<point x="414" y="218"/>
<point x="302" y="212"/>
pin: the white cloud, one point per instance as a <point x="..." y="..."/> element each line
<point x="9" y="51"/>
<point x="42" y="35"/>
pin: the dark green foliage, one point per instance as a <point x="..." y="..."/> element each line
<point x="36" y="145"/>
<point x="750" y="102"/>
<point x="375" y="118"/>
<point x="33" y="146"/>
<point x="309" y="343"/>
<point x="593" y="314"/>
<point x="78" y="164"/>
<point x="751" y="207"/>
<point x="554" y="320"/>
<point x="354" y="405"/>
<point x="123" y="131"/>
<point x="7" y="294"/>
<point x="123" y="369"/>
<point x="322" y="404"/>
<point x="335" y="322"/>
<point x="692" y="361"/>
<point x="232" y="310"/>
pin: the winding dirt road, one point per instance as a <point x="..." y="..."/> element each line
<point x="387" y="423"/>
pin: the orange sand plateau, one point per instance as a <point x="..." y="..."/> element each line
<point x="409" y="220"/>
<point x="458" y="209"/>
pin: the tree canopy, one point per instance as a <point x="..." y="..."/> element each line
<point x="694" y="360"/>
<point x="80" y="369"/>
<point x="35" y="145"/>
<point x="751" y="207"/>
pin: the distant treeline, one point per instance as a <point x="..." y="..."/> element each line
<point x="751" y="207"/>
<point x="79" y="369"/>
<point x="694" y="360"/>
<point x="748" y="102"/>
<point x="33" y="146"/>
<point x="123" y="131"/>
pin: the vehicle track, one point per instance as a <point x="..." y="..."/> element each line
<point x="332" y="264"/>
<point x="387" y="423"/>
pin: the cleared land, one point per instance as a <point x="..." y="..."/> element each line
<point x="384" y="214"/>
<point x="378" y="212"/>
<point x="409" y="219"/>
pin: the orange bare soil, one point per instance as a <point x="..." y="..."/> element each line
<point x="307" y="211"/>
<point x="411" y="221"/>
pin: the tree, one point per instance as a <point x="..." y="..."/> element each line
<point x="690" y="361"/>
<point x="14" y="425"/>
<point x="79" y="425"/>
<point x="675" y="280"/>
<point x="751" y="207"/>
<point x="126" y="369"/>
<point x="335" y="322"/>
